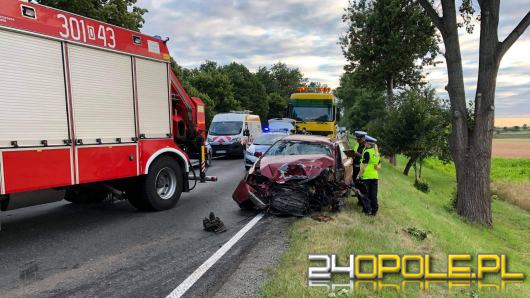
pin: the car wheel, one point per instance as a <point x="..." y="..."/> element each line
<point x="209" y="159"/>
<point x="160" y="189"/>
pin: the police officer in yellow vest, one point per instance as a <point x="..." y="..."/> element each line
<point x="369" y="176"/>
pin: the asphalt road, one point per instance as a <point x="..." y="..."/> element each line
<point x="110" y="249"/>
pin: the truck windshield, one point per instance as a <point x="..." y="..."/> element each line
<point x="298" y="148"/>
<point x="226" y="128"/>
<point x="321" y="114"/>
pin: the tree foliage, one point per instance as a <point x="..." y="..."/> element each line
<point x="122" y="13"/>
<point x="418" y="127"/>
<point x="360" y="106"/>
<point x="384" y="42"/>
<point x="234" y="87"/>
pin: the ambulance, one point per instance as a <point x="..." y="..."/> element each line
<point x="230" y="132"/>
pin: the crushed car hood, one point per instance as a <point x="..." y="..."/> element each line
<point x="281" y="169"/>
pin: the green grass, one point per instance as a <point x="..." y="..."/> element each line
<point x="513" y="135"/>
<point x="501" y="169"/>
<point x="402" y="207"/>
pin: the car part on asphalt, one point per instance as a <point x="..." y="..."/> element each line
<point x="213" y="224"/>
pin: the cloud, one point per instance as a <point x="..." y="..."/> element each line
<point x="305" y="33"/>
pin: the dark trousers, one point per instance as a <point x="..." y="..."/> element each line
<point x="357" y="183"/>
<point x="369" y="197"/>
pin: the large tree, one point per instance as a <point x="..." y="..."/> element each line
<point x="387" y="43"/>
<point x="248" y="90"/>
<point x="471" y="137"/>
<point x="210" y="79"/>
<point x="121" y="13"/>
<point x="360" y="106"/>
<point x="281" y="79"/>
<point x="417" y="127"/>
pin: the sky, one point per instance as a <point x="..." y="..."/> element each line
<point x="305" y="34"/>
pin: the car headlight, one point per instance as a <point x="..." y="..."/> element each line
<point x="236" y="139"/>
<point x="210" y="139"/>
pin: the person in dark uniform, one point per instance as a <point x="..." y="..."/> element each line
<point x="369" y="176"/>
<point x="358" y="149"/>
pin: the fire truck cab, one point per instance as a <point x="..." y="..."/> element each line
<point x="91" y="108"/>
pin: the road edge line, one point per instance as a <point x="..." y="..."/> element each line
<point x="199" y="272"/>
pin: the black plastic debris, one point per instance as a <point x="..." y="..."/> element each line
<point x="300" y="197"/>
<point x="213" y="224"/>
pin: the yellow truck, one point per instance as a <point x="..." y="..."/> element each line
<point x="315" y="111"/>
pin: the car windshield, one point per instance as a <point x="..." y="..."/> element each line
<point x="322" y="114"/>
<point x="298" y="148"/>
<point x="267" y="139"/>
<point x="225" y="128"/>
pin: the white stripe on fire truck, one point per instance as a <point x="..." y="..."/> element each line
<point x="2" y="184"/>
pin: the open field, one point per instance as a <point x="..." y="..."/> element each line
<point x="510" y="178"/>
<point x="511" y="121"/>
<point x="511" y="148"/>
<point x="402" y="207"/>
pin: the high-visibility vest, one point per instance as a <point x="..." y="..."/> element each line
<point x="370" y="172"/>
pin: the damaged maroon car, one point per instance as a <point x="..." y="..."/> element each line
<point x="297" y="175"/>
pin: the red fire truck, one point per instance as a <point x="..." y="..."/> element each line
<point x="91" y="108"/>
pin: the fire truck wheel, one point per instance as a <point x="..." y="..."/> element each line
<point x="161" y="188"/>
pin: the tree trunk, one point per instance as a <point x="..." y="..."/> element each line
<point x="411" y="161"/>
<point x="389" y="105"/>
<point x="416" y="178"/>
<point x="471" y="149"/>
<point x="421" y="168"/>
<point x="390" y="91"/>
<point x="472" y="192"/>
<point x="476" y="202"/>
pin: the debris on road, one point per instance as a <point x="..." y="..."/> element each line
<point x="213" y="224"/>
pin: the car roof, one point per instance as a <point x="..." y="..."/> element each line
<point x="309" y="138"/>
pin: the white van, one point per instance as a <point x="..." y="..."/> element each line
<point x="230" y="132"/>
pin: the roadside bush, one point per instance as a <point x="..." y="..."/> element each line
<point x="422" y="186"/>
<point x="451" y="206"/>
<point x="416" y="233"/>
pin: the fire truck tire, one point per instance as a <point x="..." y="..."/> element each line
<point x="85" y="194"/>
<point x="160" y="189"/>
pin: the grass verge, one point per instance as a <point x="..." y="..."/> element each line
<point x="402" y="208"/>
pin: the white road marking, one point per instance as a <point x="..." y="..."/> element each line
<point x="194" y="277"/>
